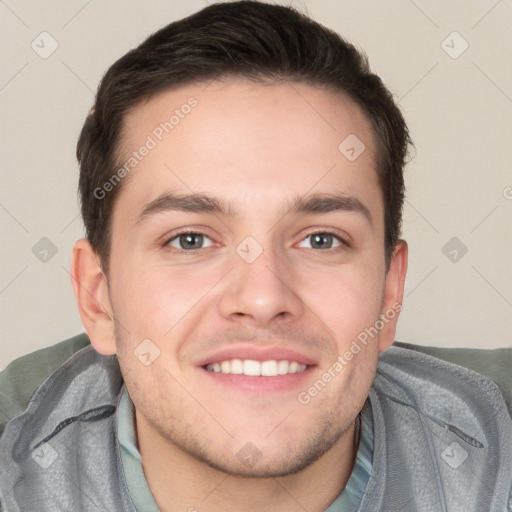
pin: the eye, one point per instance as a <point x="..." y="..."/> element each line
<point x="187" y="241"/>
<point x="324" y="240"/>
<point x="191" y="241"/>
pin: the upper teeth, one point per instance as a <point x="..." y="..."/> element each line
<point x="256" y="368"/>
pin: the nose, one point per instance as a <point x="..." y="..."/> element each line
<point x="263" y="291"/>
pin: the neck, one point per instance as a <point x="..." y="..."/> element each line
<point x="181" y="482"/>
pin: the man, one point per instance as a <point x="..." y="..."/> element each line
<point x="241" y="180"/>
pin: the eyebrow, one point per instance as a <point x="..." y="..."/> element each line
<point x="202" y="203"/>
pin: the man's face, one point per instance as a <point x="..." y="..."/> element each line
<point x="256" y="286"/>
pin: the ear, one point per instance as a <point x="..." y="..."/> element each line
<point x="393" y="294"/>
<point x="91" y="291"/>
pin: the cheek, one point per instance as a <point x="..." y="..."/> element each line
<point x="347" y="298"/>
<point x="156" y="298"/>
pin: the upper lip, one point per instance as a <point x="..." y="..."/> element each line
<point x="256" y="353"/>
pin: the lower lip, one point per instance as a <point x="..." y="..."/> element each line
<point x="287" y="382"/>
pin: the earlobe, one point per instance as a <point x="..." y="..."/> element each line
<point x="91" y="291"/>
<point x="393" y="294"/>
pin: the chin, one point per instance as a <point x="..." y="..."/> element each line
<point x="271" y="460"/>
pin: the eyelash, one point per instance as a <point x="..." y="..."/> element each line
<point x="165" y="245"/>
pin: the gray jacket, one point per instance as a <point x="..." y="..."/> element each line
<point x="442" y="440"/>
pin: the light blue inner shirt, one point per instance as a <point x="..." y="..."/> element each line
<point x="348" y="500"/>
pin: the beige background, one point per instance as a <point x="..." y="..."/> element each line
<point x="459" y="184"/>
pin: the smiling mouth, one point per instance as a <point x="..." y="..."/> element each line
<point x="252" y="368"/>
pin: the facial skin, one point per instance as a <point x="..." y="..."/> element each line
<point x="256" y="147"/>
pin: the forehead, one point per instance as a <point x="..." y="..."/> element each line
<point x="239" y="140"/>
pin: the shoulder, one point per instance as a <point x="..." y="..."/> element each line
<point x="20" y="379"/>
<point x="439" y="413"/>
<point x="493" y="364"/>
<point x="433" y="384"/>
